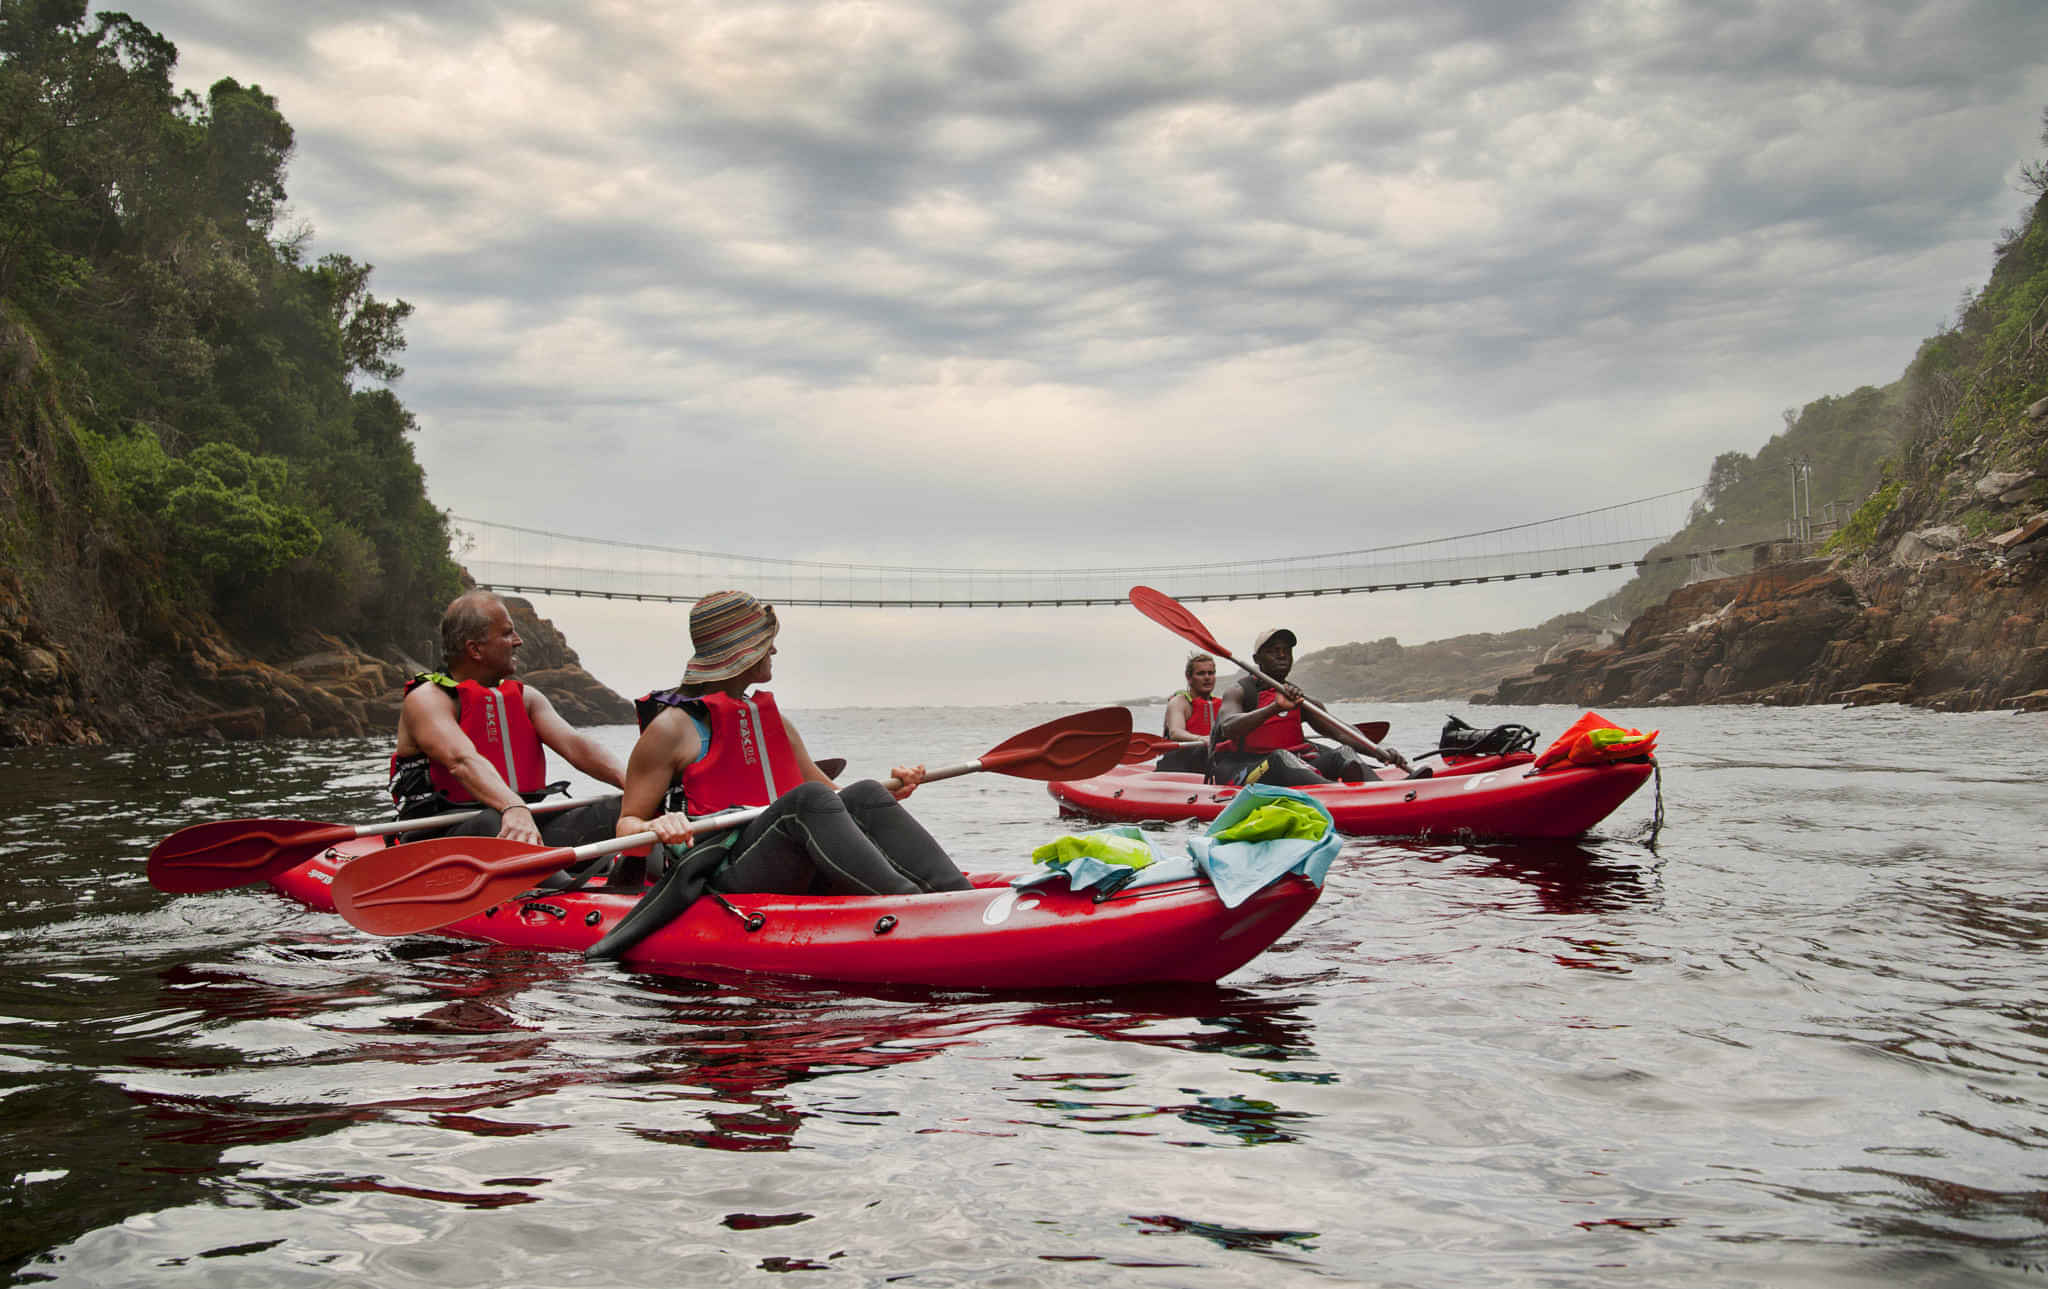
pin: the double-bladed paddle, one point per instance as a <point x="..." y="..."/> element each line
<point x="227" y="853"/>
<point x="241" y="852"/>
<point x="1174" y="616"/>
<point x="430" y="884"/>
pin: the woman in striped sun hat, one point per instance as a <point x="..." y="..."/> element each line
<point x="716" y="742"/>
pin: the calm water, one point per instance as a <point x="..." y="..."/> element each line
<point x="1802" y="1042"/>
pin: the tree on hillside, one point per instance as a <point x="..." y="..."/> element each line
<point x="80" y="108"/>
<point x="220" y="376"/>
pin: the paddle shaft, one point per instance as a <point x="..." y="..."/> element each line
<point x="549" y="860"/>
<point x="454" y="817"/>
<point x="1174" y="616"/>
<point x="1315" y="707"/>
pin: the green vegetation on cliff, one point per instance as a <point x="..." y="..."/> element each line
<point x="1831" y="452"/>
<point x="1976" y="393"/>
<point x="1882" y="461"/>
<point x="1934" y="591"/>
<point x="1954" y="451"/>
<point x="1843" y="444"/>
<point x="192" y="408"/>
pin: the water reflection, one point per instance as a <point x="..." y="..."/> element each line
<point x="244" y="1062"/>
<point x="1560" y="878"/>
<point x="223" y="1063"/>
<point x="1231" y="1237"/>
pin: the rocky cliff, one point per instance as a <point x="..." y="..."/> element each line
<point x="197" y="684"/>
<point x="1934" y="592"/>
<point x="1386" y="671"/>
<point x="1944" y="623"/>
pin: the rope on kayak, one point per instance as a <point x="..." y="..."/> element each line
<point x="753" y="921"/>
<point x="1657" y="814"/>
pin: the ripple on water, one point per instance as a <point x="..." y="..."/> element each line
<point x="1798" y="1041"/>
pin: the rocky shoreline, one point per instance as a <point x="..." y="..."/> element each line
<point x="1944" y="624"/>
<point x="199" y="685"/>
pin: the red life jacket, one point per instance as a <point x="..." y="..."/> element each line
<point x="1279" y="733"/>
<point x="1201" y="712"/>
<point x="750" y="761"/>
<point x="498" y="727"/>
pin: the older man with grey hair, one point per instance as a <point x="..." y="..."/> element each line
<point x="472" y="735"/>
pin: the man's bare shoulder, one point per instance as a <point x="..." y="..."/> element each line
<point x="427" y="698"/>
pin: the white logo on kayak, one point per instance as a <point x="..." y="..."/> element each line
<point x="1010" y="901"/>
<point x="1480" y="780"/>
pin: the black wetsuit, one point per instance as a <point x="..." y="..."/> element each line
<point x="859" y="841"/>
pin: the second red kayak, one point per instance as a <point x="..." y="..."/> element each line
<point x="1511" y="800"/>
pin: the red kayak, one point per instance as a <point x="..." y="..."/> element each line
<point x="1481" y="797"/>
<point x="1158" y="928"/>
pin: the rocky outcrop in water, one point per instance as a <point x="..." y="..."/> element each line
<point x="1386" y="671"/>
<point x="198" y="684"/>
<point x="1957" y="629"/>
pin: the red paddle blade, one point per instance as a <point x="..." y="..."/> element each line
<point x="1080" y="746"/>
<point x="1169" y="613"/>
<point x="227" y="853"/>
<point x="428" y="884"/>
<point x="1375" y="730"/>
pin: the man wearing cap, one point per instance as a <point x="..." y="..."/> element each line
<point x="472" y="736"/>
<point x="1259" y="734"/>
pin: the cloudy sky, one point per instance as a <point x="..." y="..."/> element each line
<point x="1070" y="283"/>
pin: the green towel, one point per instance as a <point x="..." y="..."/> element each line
<point x="1107" y="847"/>
<point x="1275" y="821"/>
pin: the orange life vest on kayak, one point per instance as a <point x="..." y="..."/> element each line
<point x="1595" y="740"/>
<point x="495" y="720"/>
<point x="749" y="761"/>
<point x="1201" y="713"/>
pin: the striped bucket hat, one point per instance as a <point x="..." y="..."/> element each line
<point x="731" y="631"/>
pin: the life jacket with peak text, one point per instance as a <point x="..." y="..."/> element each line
<point x="749" y="761"/>
<point x="495" y="720"/>
<point x="1201" y="712"/>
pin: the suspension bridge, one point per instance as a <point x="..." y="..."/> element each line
<point x="531" y="561"/>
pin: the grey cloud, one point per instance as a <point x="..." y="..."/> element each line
<point x="1551" y="271"/>
<point x="1597" y="196"/>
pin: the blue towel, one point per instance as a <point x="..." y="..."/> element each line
<point x="1241" y="869"/>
